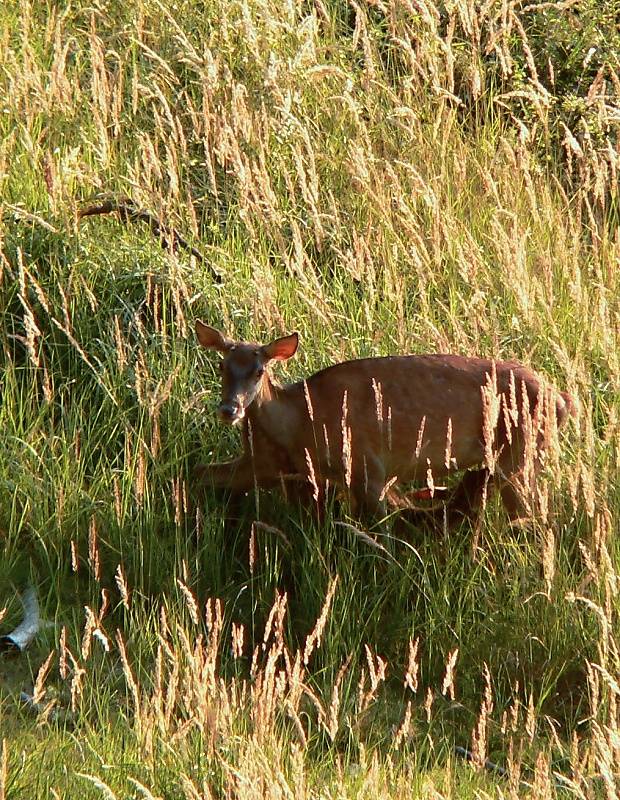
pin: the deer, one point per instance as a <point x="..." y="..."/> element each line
<point x="371" y="426"/>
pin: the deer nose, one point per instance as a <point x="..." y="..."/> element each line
<point x="230" y="411"/>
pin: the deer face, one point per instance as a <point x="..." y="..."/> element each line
<point x="243" y="368"/>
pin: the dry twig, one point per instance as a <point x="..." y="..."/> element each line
<point x="169" y="237"/>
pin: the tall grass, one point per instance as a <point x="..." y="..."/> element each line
<point x="386" y="177"/>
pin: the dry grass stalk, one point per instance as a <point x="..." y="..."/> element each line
<point x="447" y="687"/>
<point x="63" y="665"/>
<point x="179" y="500"/>
<point x="77" y="679"/>
<point x="428" y="703"/>
<point x="312" y="476"/>
<point x="548" y="559"/>
<point x="190" y="602"/>
<point x="275" y="623"/>
<point x="313" y="640"/>
<point x="131" y="682"/>
<point x="252" y="549"/>
<point x="413" y="666"/>
<point x="404" y="729"/>
<point x="93" y="549"/>
<point x="420" y="441"/>
<point x="4" y="769"/>
<point x="237" y="635"/>
<point x="347" y="460"/>
<point x="140" y="476"/>
<point x="491" y="406"/>
<point x="308" y="402"/>
<point x="530" y="720"/>
<point x="543" y="786"/>
<point x="39" y="685"/>
<point x="75" y="561"/>
<point x="448" y="453"/>
<point x="119" y="579"/>
<point x="480" y="733"/>
<point x="376" y="387"/>
<point x="89" y="628"/>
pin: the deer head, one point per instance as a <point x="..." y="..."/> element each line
<point x="243" y="367"/>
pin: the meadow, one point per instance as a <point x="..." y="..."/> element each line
<point x="384" y="177"/>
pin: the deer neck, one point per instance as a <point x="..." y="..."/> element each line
<point x="260" y="410"/>
<point x="271" y="413"/>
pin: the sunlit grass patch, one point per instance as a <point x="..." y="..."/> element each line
<point x="382" y="179"/>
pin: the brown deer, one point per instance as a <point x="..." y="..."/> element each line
<point x="370" y="425"/>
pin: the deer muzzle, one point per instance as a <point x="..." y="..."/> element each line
<point x="231" y="412"/>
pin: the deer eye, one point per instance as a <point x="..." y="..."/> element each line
<point x="259" y="371"/>
<point x="220" y="365"/>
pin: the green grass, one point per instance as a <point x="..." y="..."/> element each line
<point x="337" y="192"/>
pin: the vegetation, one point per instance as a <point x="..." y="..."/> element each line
<point x="382" y="177"/>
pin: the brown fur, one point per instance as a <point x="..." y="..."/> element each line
<point x="360" y="424"/>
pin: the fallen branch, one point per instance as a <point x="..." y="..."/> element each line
<point x="20" y="638"/>
<point x="22" y="214"/>
<point x="169" y="237"/>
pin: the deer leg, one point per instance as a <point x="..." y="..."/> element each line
<point x="368" y="503"/>
<point x="366" y="493"/>
<point x="241" y="475"/>
<point x="466" y="499"/>
<point x="312" y="497"/>
<point x="518" y="492"/>
<point x="517" y="480"/>
<point x="236" y="475"/>
<point x="523" y="452"/>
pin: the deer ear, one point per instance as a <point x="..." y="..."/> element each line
<point x="211" y="339"/>
<point x="282" y="349"/>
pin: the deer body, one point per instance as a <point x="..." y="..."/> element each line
<point x="372" y="423"/>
